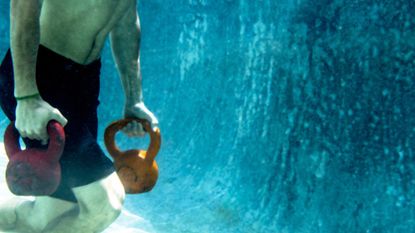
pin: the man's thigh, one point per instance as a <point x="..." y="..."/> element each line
<point x="107" y="193"/>
<point x="37" y="214"/>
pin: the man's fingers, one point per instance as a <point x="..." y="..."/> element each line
<point x="39" y="132"/>
<point x="134" y="129"/>
<point x="23" y="134"/>
<point x="36" y="134"/>
<point x="154" y="125"/>
<point x="127" y="129"/>
<point x="137" y="129"/>
<point x="153" y="121"/>
<point x="43" y="136"/>
<point x="59" y="117"/>
<point x="31" y="135"/>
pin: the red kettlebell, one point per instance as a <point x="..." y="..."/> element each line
<point x="137" y="169"/>
<point x="34" y="171"/>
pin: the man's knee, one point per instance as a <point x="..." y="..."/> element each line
<point x="101" y="201"/>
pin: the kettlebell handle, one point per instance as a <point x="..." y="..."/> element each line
<point x="56" y="139"/>
<point x="113" y="128"/>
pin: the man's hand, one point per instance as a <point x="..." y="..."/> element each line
<point x="138" y="110"/>
<point x="32" y="117"/>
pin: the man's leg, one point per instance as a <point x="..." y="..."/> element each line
<point x="99" y="204"/>
<point x="8" y="212"/>
<point x="23" y="215"/>
<point x="38" y="214"/>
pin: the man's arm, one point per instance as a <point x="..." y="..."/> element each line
<point x="32" y="112"/>
<point x="24" y="41"/>
<point x="125" y="43"/>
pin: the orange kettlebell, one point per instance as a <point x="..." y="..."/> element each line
<point x="137" y="169"/>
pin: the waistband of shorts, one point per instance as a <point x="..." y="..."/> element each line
<point x="59" y="60"/>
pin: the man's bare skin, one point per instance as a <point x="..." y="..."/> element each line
<point x="63" y="26"/>
<point x="75" y="29"/>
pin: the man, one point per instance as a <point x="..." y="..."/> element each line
<point x="52" y="73"/>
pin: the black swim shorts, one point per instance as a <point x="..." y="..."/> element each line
<point x="73" y="89"/>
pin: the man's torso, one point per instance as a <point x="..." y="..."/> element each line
<point x="77" y="29"/>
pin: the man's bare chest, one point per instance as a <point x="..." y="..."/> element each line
<point x="82" y="13"/>
<point x="77" y="28"/>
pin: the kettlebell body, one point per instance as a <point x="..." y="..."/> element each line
<point x="137" y="169"/>
<point x="34" y="171"/>
<point x="135" y="174"/>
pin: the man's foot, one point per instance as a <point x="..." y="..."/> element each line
<point x="8" y="215"/>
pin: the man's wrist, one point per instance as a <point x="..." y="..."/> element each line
<point x="25" y="86"/>
<point x="130" y="103"/>
<point x="132" y="100"/>
<point x="31" y="96"/>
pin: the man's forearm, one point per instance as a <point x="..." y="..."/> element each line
<point x="24" y="43"/>
<point x="125" y="43"/>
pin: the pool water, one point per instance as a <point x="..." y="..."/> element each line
<point x="291" y="116"/>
